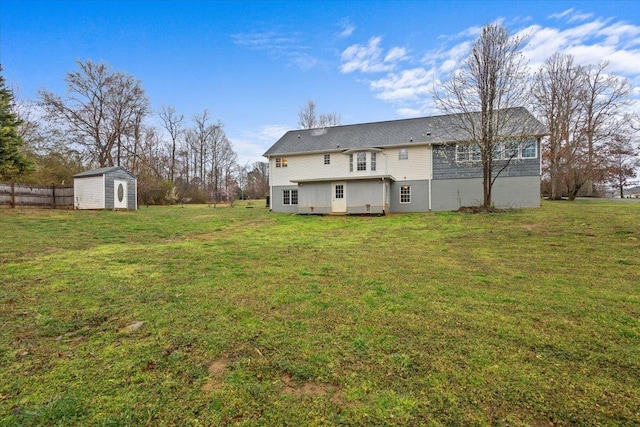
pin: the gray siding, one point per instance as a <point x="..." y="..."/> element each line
<point x="365" y="197"/>
<point x="446" y="167"/>
<point x="277" y="199"/>
<point x="507" y="192"/>
<point x="315" y="197"/>
<point x="109" y="190"/>
<point x="419" y="197"/>
<point x="447" y="194"/>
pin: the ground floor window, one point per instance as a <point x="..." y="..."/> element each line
<point x="405" y="194"/>
<point x="289" y="197"/>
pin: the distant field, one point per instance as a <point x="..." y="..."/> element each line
<point x="238" y="316"/>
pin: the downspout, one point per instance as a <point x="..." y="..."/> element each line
<point x="270" y="185"/>
<point x="383" y="190"/>
<point x="430" y="175"/>
<point x="384" y="186"/>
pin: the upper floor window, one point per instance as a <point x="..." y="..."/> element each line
<point x="281" y="162"/>
<point x="497" y="151"/>
<point x="528" y="150"/>
<point x="467" y="152"/>
<point x="403" y="154"/>
<point x="501" y="151"/>
<point x="361" y="161"/>
<point x="462" y="152"/>
<point x="474" y="152"/>
<point x="327" y="159"/>
<point x="510" y="150"/>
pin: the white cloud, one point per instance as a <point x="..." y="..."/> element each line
<point x="290" y="47"/>
<point x="396" y="54"/>
<point x="561" y="15"/>
<point x="267" y="40"/>
<point x="408" y="85"/>
<point x="272" y="132"/>
<point x="590" y="40"/>
<point x="572" y="15"/>
<point x="346" y="29"/>
<point x="448" y="65"/>
<point x="304" y="61"/>
<point x="250" y="145"/>
<point x="409" y="112"/>
<point x="589" y="43"/>
<point x="369" y="58"/>
<point x="249" y="152"/>
<point x="446" y="57"/>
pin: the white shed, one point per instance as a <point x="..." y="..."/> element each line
<point x="105" y="188"/>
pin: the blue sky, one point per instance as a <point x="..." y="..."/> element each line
<point x="254" y="64"/>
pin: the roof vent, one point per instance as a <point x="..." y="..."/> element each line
<point x="298" y="136"/>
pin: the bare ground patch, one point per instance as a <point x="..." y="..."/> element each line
<point x="312" y="389"/>
<point x="216" y="370"/>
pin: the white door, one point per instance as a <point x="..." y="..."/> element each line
<point x="339" y="197"/>
<point x="119" y="194"/>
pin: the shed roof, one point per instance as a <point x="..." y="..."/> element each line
<point x="405" y="132"/>
<point x="101" y="171"/>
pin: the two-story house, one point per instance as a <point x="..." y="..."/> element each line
<point x="410" y="165"/>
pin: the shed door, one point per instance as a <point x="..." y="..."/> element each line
<point x="339" y="197"/>
<point x="119" y="194"/>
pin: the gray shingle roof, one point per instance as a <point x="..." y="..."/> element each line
<point x="405" y="132"/>
<point x="100" y="171"/>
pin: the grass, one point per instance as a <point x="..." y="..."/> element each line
<point x="252" y="318"/>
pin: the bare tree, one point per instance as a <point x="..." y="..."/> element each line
<point x="99" y="110"/>
<point x="623" y="160"/>
<point x="583" y="109"/>
<point x="557" y="91"/>
<point x="203" y="142"/>
<point x="258" y="180"/>
<point x="308" y="118"/>
<point x="218" y="145"/>
<point x="480" y="96"/>
<point x="173" y="124"/>
<point x="604" y="99"/>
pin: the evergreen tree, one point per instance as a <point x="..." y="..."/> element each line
<point x="13" y="163"/>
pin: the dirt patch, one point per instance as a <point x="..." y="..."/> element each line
<point x="219" y="366"/>
<point x="312" y="389"/>
<point x="216" y="369"/>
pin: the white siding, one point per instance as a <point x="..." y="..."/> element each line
<point x="89" y="192"/>
<point x="311" y="166"/>
<point x="308" y="166"/>
<point x="416" y="167"/>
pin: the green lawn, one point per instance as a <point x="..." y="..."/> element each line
<point x="252" y="318"/>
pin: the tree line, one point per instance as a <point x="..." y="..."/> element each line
<point x="103" y="120"/>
